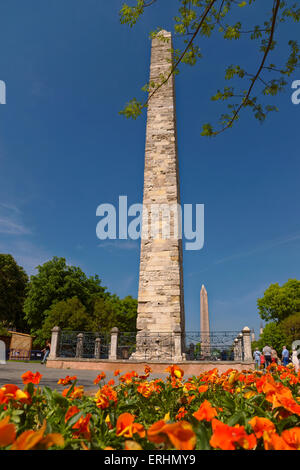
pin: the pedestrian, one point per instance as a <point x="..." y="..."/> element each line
<point x="262" y="361"/>
<point x="256" y="357"/>
<point x="295" y="360"/>
<point x="46" y="351"/>
<point x="274" y="356"/>
<point x="267" y="352"/>
<point x="285" y="356"/>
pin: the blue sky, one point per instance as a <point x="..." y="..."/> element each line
<point x="69" y="67"/>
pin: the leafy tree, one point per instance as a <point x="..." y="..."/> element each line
<point x="68" y="314"/>
<point x="291" y="328"/>
<point x="280" y="302"/>
<point x="56" y="281"/>
<point x="198" y="20"/>
<point x="113" y="311"/>
<point x="273" y="336"/>
<point x="13" y="282"/>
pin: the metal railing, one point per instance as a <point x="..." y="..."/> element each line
<point x="197" y="346"/>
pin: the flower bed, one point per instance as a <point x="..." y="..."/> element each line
<point x="251" y="410"/>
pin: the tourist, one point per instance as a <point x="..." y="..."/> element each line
<point x="267" y="352"/>
<point x="274" y="356"/>
<point x="46" y="351"/>
<point x="256" y="357"/>
<point x="295" y="360"/>
<point x="262" y="361"/>
<point x="285" y="356"/>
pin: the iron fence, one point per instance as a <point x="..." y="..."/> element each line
<point x="215" y="345"/>
<point x="81" y="344"/>
<point x="143" y="345"/>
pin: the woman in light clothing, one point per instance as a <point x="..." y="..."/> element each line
<point x="295" y="360"/>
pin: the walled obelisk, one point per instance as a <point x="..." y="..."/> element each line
<point x="204" y="323"/>
<point x="160" y="296"/>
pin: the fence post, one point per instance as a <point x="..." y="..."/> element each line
<point x="177" y="344"/>
<point x="97" y="348"/>
<point x="79" y="345"/>
<point x="240" y="347"/>
<point x="247" y="343"/>
<point x="55" y="338"/>
<point x="113" y="344"/>
<point x="235" y="350"/>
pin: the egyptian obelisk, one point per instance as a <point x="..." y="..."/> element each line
<point x="204" y="323"/>
<point x="160" y="296"/>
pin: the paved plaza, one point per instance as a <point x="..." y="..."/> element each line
<point x="11" y="373"/>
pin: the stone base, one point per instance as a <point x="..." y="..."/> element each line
<point x="190" y="368"/>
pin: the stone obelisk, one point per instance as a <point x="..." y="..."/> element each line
<point x="160" y="298"/>
<point x="204" y="323"/>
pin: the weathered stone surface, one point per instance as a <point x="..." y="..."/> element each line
<point x="160" y="297"/>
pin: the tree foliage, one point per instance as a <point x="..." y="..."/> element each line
<point x="279" y="302"/>
<point x="62" y="295"/>
<point x="56" y="281"/>
<point x="13" y="282"/>
<point x="273" y="336"/>
<point x="199" y="19"/>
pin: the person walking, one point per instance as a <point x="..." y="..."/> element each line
<point x="256" y="357"/>
<point x="46" y="351"/>
<point x="285" y="356"/>
<point x="267" y="352"/>
<point x="295" y="360"/>
<point x="274" y="356"/>
<point x="262" y="361"/>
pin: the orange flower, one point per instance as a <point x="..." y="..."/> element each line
<point x="156" y="432"/>
<point x="275" y="442"/>
<point x="127" y="427"/>
<point x="205" y="412"/>
<point x="71" y="412"/>
<point x="175" y="372"/>
<point x="117" y="372"/>
<point x="77" y="392"/>
<point x="127" y="378"/>
<point x="7" y="432"/>
<point x="105" y="395"/>
<point x="67" y="380"/>
<point x="181" y="413"/>
<point x="36" y="440"/>
<point x="99" y="377"/>
<point x="180" y="434"/>
<point x="147" y="370"/>
<point x="11" y="392"/>
<point x="292" y="437"/>
<point x="111" y="382"/>
<point x="82" y="427"/>
<point x="30" y="377"/>
<point x="202" y="388"/>
<point x="225" y="437"/>
<point x="261" y="425"/>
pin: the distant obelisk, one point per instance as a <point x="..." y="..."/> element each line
<point x="204" y="323"/>
<point x="160" y="296"/>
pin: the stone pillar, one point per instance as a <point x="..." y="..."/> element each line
<point x="204" y="323"/>
<point x="236" y="350"/>
<point x="247" y="356"/>
<point x="97" y="350"/>
<point x="240" y="347"/>
<point x="55" y="339"/>
<point x="160" y="295"/>
<point x="177" y="345"/>
<point x="79" y="345"/>
<point x="113" y="344"/>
